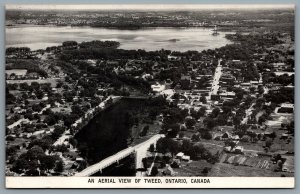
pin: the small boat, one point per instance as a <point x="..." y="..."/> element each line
<point x="173" y="40"/>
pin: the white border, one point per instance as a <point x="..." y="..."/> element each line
<point x="214" y="182"/>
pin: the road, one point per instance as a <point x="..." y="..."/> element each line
<point x="18" y="123"/>
<point x="216" y="80"/>
<point x="66" y="135"/>
<point x="248" y="114"/>
<point x="142" y="150"/>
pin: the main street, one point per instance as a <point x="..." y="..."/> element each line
<point x="216" y="80"/>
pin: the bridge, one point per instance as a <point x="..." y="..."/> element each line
<point x="139" y="150"/>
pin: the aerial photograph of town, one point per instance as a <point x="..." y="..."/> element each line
<point x="150" y="91"/>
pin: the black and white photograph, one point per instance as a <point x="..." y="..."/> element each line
<point x="164" y="94"/>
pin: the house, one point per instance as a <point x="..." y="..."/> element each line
<point x="173" y="58"/>
<point x="288" y="165"/>
<point x="158" y="87"/>
<point x="179" y="155"/>
<point x="286" y="108"/>
<point x="235" y="137"/>
<point x="227" y="149"/>
<point x="284" y="136"/>
<point x="186" y="158"/>
<point x="182" y="157"/>
<point x="238" y="149"/>
<point x="79" y="159"/>
<point x="226" y="135"/>
<point x="229" y="95"/>
<point x="16" y="73"/>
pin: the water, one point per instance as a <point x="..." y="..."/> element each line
<point x="109" y="131"/>
<point x="40" y="37"/>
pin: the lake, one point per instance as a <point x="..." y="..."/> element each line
<point x="177" y="39"/>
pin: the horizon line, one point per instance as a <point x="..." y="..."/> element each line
<point x="147" y="6"/>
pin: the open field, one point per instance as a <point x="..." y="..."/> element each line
<point x="193" y="168"/>
<point x="228" y="170"/>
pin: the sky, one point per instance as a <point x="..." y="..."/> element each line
<point x="150" y="6"/>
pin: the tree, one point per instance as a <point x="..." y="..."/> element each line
<point x="203" y="99"/>
<point x="190" y="122"/>
<point x="29" y="162"/>
<point x="145" y="163"/>
<point x="237" y="121"/>
<point x="260" y="90"/>
<point x="151" y="148"/>
<point x="58" y="131"/>
<point x="24" y="86"/>
<point x="77" y="110"/>
<point x="154" y="171"/>
<point x="195" y="137"/>
<point x="186" y="145"/>
<point x="269" y="143"/>
<point x="36" y="152"/>
<point x="50" y="119"/>
<point x="206" y="135"/>
<point x="59" y="166"/>
<point x="175" y="128"/>
<point x="161" y="146"/>
<point x="215" y="112"/>
<point x="198" y="151"/>
<point x="273" y="135"/>
<point x="262" y="119"/>
<point x="210" y="123"/>
<point x="230" y="143"/>
<point x="205" y="171"/>
<point x="48" y="162"/>
<point x="73" y="141"/>
<point x="145" y="130"/>
<point x="44" y="143"/>
<point x="181" y="135"/>
<point x="173" y="146"/>
<point x="202" y="111"/>
<point x="245" y="138"/>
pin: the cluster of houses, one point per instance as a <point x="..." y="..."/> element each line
<point x="20" y="74"/>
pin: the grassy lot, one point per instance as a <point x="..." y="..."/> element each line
<point x="135" y="131"/>
<point x="212" y="148"/>
<point x="228" y="170"/>
<point x="278" y="144"/>
<point x="62" y="110"/>
<point x="193" y="168"/>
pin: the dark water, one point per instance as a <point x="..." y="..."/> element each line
<point x="109" y="131"/>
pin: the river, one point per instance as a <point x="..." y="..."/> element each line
<point x="177" y="39"/>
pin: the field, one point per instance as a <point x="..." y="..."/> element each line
<point x="193" y="168"/>
<point x="228" y="170"/>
